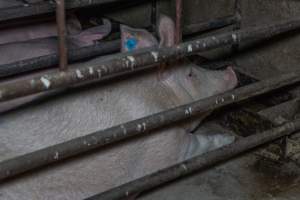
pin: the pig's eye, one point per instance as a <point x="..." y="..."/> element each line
<point x="191" y="74"/>
<point x="131" y="43"/>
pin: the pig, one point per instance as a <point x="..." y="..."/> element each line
<point x="99" y="107"/>
<point x="136" y="39"/>
<point x="17" y="51"/>
<point x="13" y="52"/>
<point x="26" y="33"/>
<point x="47" y="29"/>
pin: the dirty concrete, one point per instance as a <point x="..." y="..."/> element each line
<point x="248" y="177"/>
<point x="278" y="55"/>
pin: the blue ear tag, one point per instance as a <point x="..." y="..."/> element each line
<point x="131" y="44"/>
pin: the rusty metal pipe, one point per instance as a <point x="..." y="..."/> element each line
<point x="198" y="163"/>
<point x="47" y="61"/>
<point x="102" y="48"/>
<point x="178" y="22"/>
<point x="62" y="34"/>
<point x="21" y="164"/>
<point x="237" y="25"/>
<point x="138" y="60"/>
<point x="153" y="15"/>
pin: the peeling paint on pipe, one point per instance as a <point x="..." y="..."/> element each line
<point x="143" y="126"/>
<point x="120" y="63"/>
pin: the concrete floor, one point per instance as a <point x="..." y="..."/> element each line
<point x="248" y="177"/>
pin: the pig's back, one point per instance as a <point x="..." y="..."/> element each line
<point x="78" y="114"/>
<point x="13" y="52"/>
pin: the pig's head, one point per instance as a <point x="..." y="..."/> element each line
<point x="166" y="31"/>
<point x="201" y="83"/>
<point x="90" y="36"/>
<point x="197" y="82"/>
<point x="133" y="39"/>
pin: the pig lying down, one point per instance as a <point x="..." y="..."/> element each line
<point x="35" y="41"/>
<point x="40" y="40"/>
<point x="104" y="106"/>
<point x="36" y="31"/>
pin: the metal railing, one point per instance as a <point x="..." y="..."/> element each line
<point x="131" y="62"/>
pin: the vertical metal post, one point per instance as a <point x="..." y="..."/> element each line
<point x="178" y="33"/>
<point x="237" y="25"/>
<point x="153" y="15"/>
<point x="62" y="34"/>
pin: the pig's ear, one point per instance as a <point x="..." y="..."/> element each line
<point x="166" y="31"/>
<point x="133" y="39"/>
<point x="89" y="36"/>
<point x="128" y="41"/>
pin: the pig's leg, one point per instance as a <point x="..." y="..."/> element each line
<point x="207" y="138"/>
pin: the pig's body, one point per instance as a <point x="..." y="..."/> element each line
<point x="13" y="52"/>
<point x="37" y="31"/>
<point x="94" y="109"/>
<point x="101" y="107"/>
<point x="30" y="47"/>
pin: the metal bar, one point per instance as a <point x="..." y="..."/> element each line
<point x="98" y="49"/>
<point x="154" y="15"/>
<point x="237" y="26"/>
<point x="134" y="61"/>
<point x="74" y="55"/>
<point x="76" y="146"/>
<point x="178" y="22"/>
<point x="62" y="34"/>
<point x="197" y="164"/>
<point x="211" y="25"/>
<point x="46" y="7"/>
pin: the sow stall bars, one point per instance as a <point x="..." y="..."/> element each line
<point x="150" y="57"/>
<point x="104" y="47"/>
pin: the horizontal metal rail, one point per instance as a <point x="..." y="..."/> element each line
<point x="103" y="48"/>
<point x="139" y="127"/>
<point x="47" y="7"/>
<point x="211" y="25"/>
<point x="131" y="62"/>
<point x="198" y="163"/>
<point x="47" y="61"/>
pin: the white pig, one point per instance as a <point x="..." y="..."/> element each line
<point x="23" y="33"/>
<point x="101" y="107"/>
<point x="17" y="51"/>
